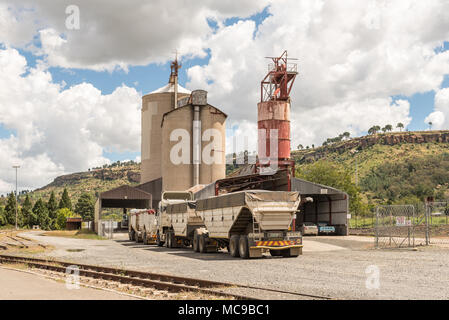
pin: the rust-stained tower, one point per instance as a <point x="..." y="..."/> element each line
<point x="273" y="115"/>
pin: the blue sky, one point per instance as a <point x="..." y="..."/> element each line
<point x="153" y="76"/>
<point x="334" y="56"/>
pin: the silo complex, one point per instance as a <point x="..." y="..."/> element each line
<point x="154" y="105"/>
<point x="193" y="144"/>
<point x="169" y="115"/>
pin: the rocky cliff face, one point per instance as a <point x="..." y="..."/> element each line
<point x="108" y="174"/>
<point x="368" y="141"/>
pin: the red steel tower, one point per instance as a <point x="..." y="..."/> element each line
<point x="273" y="114"/>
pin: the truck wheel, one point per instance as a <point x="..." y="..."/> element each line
<point x="145" y="239"/>
<point x="195" y="242"/>
<point x="158" y="240"/>
<point x="202" y="244"/>
<point x="136" y="237"/>
<point x="244" y="247"/>
<point x="275" y="253"/>
<point x="131" y="236"/>
<point x="234" y="246"/>
<point x="169" y="240"/>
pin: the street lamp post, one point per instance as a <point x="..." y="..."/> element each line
<point x="17" y="204"/>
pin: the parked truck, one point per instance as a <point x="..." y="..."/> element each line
<point x="164" y="223"/>
<point x="142" y="225"/>
<point x="247" y="223"/>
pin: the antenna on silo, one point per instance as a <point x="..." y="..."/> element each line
<point x="174" y="66"/>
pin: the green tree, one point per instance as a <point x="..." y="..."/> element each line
<point x="335" y="176"/>
<point x="388" y="127"/>
<point x="10" y="209"/>
<point x="62" y="215"/>
<point x="28" y="216"/>
<point x="41" y="212"/>
<point x="400" y="126"/>
<point x="300" y="147"/>
<point x="430" y="125"/>
<point x="373" y="129"/>
<point x="52" y="207"/>
<point x="85" y="207"/>
<point x="65" y="201"/>
<point x="2" y="216"/>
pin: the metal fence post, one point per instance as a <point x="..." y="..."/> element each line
<point x="377" y="227"/>
<point x="427" y="223"/>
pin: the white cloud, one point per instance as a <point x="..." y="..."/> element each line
<point x="353" y="56"/>
<point x="59" y="131"/>
<point x="119" y="33"/>
<point x="440" y="117"/>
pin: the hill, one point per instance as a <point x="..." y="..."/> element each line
<point x="391" y="167"/>
<point x="93" y="181"/>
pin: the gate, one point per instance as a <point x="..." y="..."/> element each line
<point x="437" y="222"/>
<point x="106" y="228"/>
<point x="395" y="226"/>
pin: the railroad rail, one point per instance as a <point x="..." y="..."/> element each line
<point x="149" y="279"/>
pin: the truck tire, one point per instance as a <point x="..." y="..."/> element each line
<point x="144" y="237"/>
<point x="195" y="242"/>
<point x="202" y="246"/>
<point x="169" y="240"/>
<point x="136" y="237"/>
<point x="131" y="235"/>
<point x="159" y="243"/>
<point x="244" y="247"/>
<point x="234" y="246"/>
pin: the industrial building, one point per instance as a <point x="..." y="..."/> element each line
<point x="182" y="132"/>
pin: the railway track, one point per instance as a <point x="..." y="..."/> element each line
<point x="151" y="280"/>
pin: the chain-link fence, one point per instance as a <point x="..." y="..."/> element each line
<point x="395" y="226"/>
<point x="412" y="225"/>
<point x="438" y="222"/>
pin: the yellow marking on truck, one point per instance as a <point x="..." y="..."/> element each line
<point x="279" y="248"/>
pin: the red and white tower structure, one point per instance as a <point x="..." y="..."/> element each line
<point x="273" y="115"/>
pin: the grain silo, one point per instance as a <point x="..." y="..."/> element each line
<point x="193" y="143"/>
<point x="154" y="105"/>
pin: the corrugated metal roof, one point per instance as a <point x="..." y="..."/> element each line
<point x="126" y="192"/>
<point x="170" y="88"/>
<point x="306" y="187"/>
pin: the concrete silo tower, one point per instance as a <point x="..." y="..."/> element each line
<point x="154" y="105"/>
<point x="193" y="144"/>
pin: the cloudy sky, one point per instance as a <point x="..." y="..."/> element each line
<point x="70" y="97"/>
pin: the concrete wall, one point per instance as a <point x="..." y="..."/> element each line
<point x="154" y="105"/>
<point x="179" y="176"/>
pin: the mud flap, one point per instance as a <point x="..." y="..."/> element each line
<point x="255" y="252"/>
<point x="294" y="252"/>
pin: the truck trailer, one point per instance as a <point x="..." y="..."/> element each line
<point x="247" y="223"/>
<point x="142" y="226"/>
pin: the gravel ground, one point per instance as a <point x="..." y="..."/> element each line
<point x="330" y="266"/>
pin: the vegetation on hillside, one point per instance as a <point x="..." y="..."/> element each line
<point x="418" y="177"/>
<point x="47" y="215"/>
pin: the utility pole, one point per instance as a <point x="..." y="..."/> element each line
<point x="17" y="204"/>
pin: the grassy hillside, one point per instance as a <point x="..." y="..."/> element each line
<point x="391" y="167"/>
<point x="94" y="181"/>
